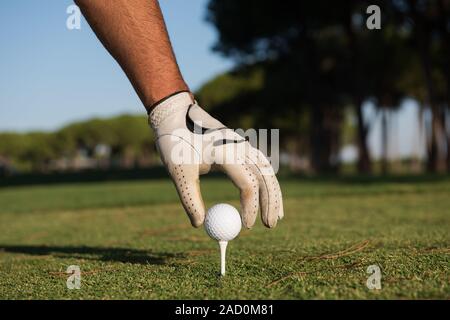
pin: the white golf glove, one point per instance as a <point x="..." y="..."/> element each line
<point x="190" y="141"/>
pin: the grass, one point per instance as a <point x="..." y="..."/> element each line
<point x="132" y="240"/>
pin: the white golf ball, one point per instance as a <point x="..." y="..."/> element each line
<point x="223" y="222"/>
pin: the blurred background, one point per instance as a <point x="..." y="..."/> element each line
<point x="347" y="100"/>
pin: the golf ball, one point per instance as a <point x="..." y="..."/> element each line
<point x="223" y="222"/>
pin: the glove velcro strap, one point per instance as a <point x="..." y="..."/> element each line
<point x="168" y="107"/>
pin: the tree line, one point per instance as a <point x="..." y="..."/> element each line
<point x="123" y="141"/>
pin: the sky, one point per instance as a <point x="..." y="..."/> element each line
<point x="51" y="76"/>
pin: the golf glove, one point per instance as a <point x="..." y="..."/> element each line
<point x="190" y="142"/>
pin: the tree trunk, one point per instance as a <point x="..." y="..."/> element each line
<point x="423" y="36"/>
<point x="384" y="141"/>
<point x="364" y="163"/>
<point x="320" y="149"/>
<point x="447" y="119"/>
<point x="325" y="139"/>
<point x="445" y="34"/>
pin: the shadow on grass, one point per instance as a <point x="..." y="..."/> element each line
<point x="126" y="255"/>
<point x="366" y="179"/>
<point x="407" y="179"/>
<point x="88" y="176"/>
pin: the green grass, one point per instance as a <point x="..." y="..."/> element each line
<point x="132" y="240"/>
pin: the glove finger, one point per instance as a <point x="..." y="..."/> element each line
<point x="245" y="180"/>
<point x="270" y="197"/>
<point x="186" y="179"/>
<point x="184" y="171"/>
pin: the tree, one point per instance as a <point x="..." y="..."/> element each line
<point x="428" y="22"/>
<point x="299" y="48"/>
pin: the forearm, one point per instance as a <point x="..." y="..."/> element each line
<point x="134" y="33"/>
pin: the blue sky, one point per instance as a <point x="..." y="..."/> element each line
<point x="51" y="76"/>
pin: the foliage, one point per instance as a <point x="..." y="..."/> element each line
<point x="317" y="61"/>
<point x="125" y="135"/>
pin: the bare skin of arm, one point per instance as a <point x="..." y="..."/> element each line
<point x="134" y="33"/>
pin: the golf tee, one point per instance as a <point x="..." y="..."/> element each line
<point x="223" y="250"/>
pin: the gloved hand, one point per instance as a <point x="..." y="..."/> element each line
<point x="190" y="141"/>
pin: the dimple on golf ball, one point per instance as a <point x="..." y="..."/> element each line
<point x="223" y="222"/>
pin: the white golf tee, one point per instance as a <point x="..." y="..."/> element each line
<point x="223" y="250"/>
